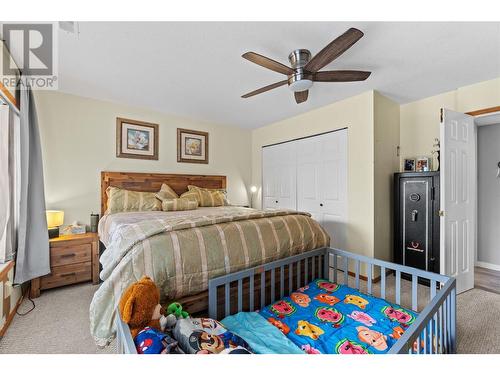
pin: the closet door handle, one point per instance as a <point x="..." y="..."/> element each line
<point x="276" y="201"/>
<point x="321" y="204"/>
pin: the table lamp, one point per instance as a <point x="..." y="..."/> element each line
<point x="253" y="190"/>
<point x="54" y="220"/>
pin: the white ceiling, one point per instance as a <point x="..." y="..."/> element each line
<point x="196" y="70"/>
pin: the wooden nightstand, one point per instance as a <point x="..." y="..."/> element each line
<point x="73" y="259"/>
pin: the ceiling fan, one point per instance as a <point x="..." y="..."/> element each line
<point x="305" y="70"/>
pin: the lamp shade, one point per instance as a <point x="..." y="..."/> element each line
<point x="54" y="218"/>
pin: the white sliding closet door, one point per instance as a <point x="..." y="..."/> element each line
<point x="269" y="178"/>
<point x="279" y="176"/>
<point x="334" y="186"/>
<point x="310" y="175"/>
<point x="322" y="182"/>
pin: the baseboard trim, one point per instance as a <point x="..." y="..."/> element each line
<point x="487" y="265"/>
<point x="375" y="280"/>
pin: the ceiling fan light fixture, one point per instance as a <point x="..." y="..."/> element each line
<point x="300" y="81"/>
<point x="301" y="85"/>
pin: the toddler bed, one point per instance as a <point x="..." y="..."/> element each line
<point x="323" y="315"/>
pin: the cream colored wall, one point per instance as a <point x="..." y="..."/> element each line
<point x="386" y="135"/>
<point x="356" y="114"/>
<point x="420" y="119"/>
<point x="480" y="95"/>
<point x="420" y="125"/>
<point x="78" y="142"/>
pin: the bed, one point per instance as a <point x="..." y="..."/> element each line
<point x="338" y="318"/>
<point x="319" y="308"/>
<point x="181" y="251"/>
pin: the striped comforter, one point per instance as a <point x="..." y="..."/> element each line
<point x="182" y="253"/>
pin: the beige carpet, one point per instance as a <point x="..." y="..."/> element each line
<point x="60" y="324"/>
<point x="478" y="322"/>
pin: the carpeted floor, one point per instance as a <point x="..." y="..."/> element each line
<point x="60" y="324"/>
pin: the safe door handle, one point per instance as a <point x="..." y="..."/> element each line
<point x="414" y="215"/>
<point x="417" y="250"/>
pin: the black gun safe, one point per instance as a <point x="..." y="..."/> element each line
<point x="416" y="220"/>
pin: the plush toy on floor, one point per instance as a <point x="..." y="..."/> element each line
<point x="140" y="308"/>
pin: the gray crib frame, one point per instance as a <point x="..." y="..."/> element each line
<point x="436" y="322"/>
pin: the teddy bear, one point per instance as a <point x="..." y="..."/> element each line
<point x="140" y="306"/>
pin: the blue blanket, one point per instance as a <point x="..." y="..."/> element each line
<point x="262" y="337"/>
<point x="324" y="317"/>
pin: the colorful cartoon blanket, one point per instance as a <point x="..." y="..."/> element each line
<point x="324" y="317"/>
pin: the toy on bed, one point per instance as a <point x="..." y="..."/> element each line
<point x="176" y="310"/>
<point x="140" y="308"/>
<point x="208" y="336"/>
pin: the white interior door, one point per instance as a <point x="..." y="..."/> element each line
<point x="458" y="197"/>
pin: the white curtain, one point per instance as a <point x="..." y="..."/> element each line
<point x="32" y="257"/>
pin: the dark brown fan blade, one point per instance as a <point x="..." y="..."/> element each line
<point x="265" y="88"/>
<point x="301" y="96"/>
<point x="334" y="50"/>
<point x="341" y="76"/>
<point x="268" y="63"/>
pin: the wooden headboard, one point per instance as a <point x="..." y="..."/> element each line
<point x="152" y="182"/>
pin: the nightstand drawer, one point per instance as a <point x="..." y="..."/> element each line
<point x="68" y="274"/>
<point x="60" y="256"/>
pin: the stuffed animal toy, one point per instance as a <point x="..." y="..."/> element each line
<point x="175" y="308"/>
<point x="140" y="306"/>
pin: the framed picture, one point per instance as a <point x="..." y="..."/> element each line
<point x="409" y="165"/>
<point x="192" y="146"/>
<point x="423" y="165"/>
<point x="136" y="139"/>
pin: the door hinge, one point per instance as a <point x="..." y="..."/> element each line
<point x="441" y="115"/>
<point x="441" y="213"/>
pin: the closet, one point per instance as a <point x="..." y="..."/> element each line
<point x="309" y="174"/>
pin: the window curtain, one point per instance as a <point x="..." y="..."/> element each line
<point x="32" y="257"/>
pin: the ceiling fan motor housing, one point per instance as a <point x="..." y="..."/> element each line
<point x="300" y="80"/>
